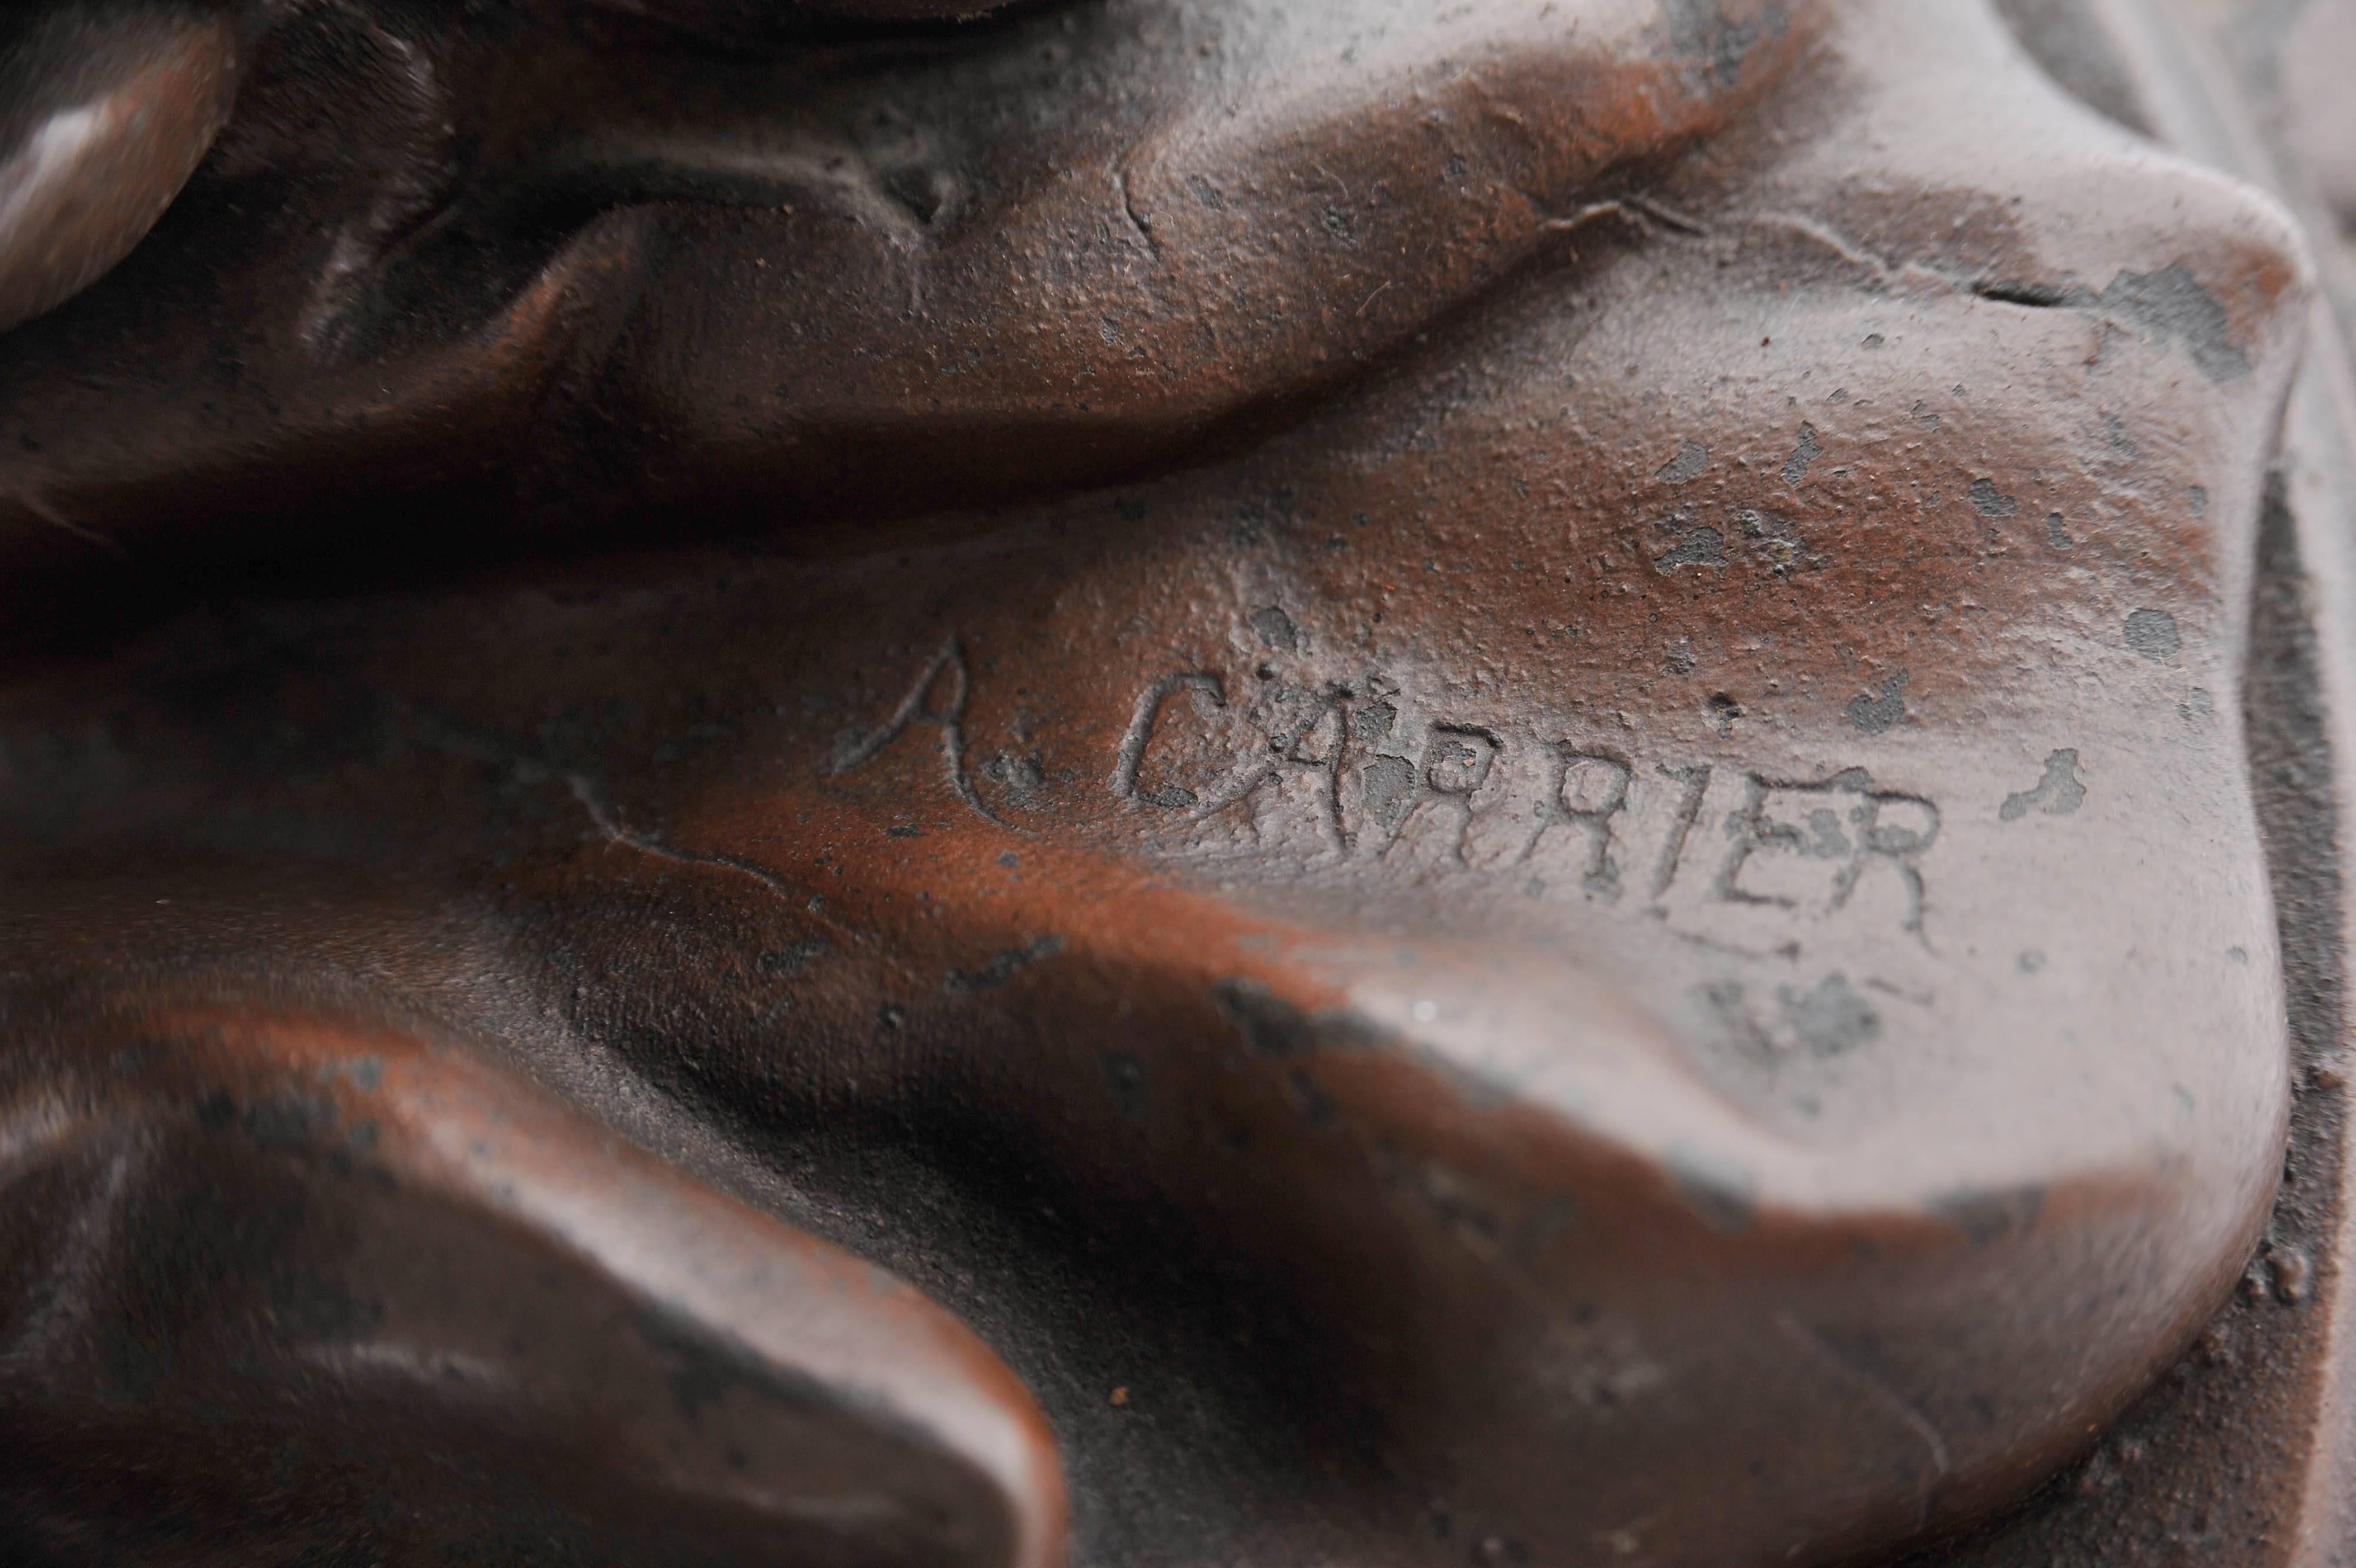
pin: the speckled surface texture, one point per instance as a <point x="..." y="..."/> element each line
<point x="1167" y="783"/>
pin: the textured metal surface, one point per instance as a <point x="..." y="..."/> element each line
<point x="1177" y="783"/>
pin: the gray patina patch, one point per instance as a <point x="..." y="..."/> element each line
<point x="2153" y="634"/>
<point x="1698" y="547"/>
<point x="2057" y="794"/>
<point x="1689" y="464"/>
<point x="2169" y="305"/>
<point x="1876" y="715"/>
<point x="1795" y="468"/>
<point x="1989" y="501"/>
<point x="1275" y="630"/>
<point x="1831" y="1020"/>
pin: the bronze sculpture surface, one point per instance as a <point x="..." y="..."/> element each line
<point x="1168" y="781"/>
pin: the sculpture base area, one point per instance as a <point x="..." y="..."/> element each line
<point x="1167" y="783"/>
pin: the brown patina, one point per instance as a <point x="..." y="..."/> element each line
<point x="1152" y="781"/>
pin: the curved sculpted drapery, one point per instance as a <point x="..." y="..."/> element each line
<point x="1157" y="781"/>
